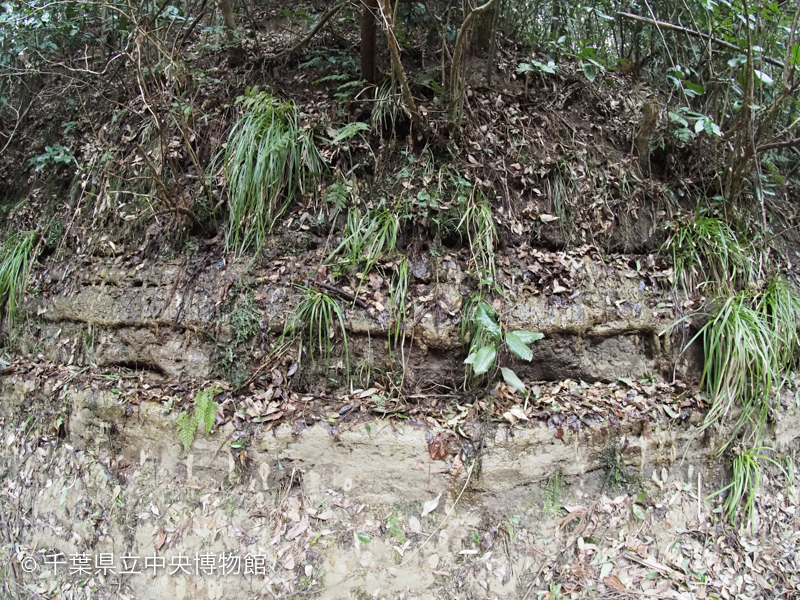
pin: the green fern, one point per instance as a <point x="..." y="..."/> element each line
<point x="206" y="409"/>
<point x="187" y="425"/>
<point x="205" y="413"/>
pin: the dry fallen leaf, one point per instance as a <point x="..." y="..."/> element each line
<point x="160" y="538"/>
<point x="298" y="529"/>
<point x="430" y="505"/>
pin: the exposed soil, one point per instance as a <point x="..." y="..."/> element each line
<point x="346" y="510"/>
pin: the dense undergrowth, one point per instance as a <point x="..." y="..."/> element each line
<point x="190" y="131"/>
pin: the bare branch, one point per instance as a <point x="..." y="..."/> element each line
<point x="299" y="45"/>
<point x="775" y="145"/>
<point x="697" y="34"/>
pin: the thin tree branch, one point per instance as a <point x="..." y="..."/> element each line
<point x="299" y="45"/>
<point x="774" y="145"/>
<point x="697" y="34"/>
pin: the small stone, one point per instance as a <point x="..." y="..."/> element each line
<point x="366" y="559"/>
<point x="348" y="485"/>
<point x="433" y="561"/>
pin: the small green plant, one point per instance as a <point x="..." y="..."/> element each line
<point x="486" y="335"/>
<point x="394" y="528"/>
<point x="553" y="491"/>
<point x="55" y="154"/>
<point x="267" y="160"/>
<point x="398" y="291"/>
<point x="618" y="475"/>
<point x="243" y="319"/>
<point x="387" y="108"/>
<point x="746" y="472"/>
<point x="560" y="186"/>
<point x="204" y="414"/>
<point x="706" y="251"/>
<point x="16" y="257"/>
<point x="317" y="315"/>
<point x="363" y="374"/>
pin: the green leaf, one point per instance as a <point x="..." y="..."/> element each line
<point x="484" y="359"/>
<point x="667" y="409"/>
<point x="695" y="88"/>
<point x="698" y="126"/>
<point x="590" y="72"/>
<point x="484" y="316"/>
<point x="529" y="337"/>
<point x="638" y="512"/>
<point x="763" y="77"/>
<point x="685" y="134"/>
<point x="677" y="118"/>
<point x="517" y="346"/>
<point x="550" y="67"/>
<point x="362" y="537"/>
<point x="470" y="359"/>
<point x="512" y="380"/>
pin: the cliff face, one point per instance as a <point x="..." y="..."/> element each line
<point x="196" y="316"/>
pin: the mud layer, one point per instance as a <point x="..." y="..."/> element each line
<point x="348" y="511"/>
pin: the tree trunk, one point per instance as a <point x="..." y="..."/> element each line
<point x="458" y="67"/>
<point x="226" y="7"/>
<point x="235" y="49"/>
<point x="397" y="66"/>
<point x="493" y="42"/>
<point x="368" y="35"/>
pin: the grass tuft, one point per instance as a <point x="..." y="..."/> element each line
<point x="369" y="238"/>
<point x="317" y="316"/>
<point x="398" y="294"/>
<point x="749" y="344"/>
<point x="267" y="160"/>
<point x="746" y="472"/>
<point x="16" y="257"/>
<point x="478" y="226"/>
<point x="706" y="252"/>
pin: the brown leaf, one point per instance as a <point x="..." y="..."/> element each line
<point x="375" y="280"/>
<point x="613" y="581"/>
<point x="438" y="447"/>
<point x="160" y="538"/>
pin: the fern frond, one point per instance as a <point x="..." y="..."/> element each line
<point x="205" y="409"/>
<point x="348" y="131"/>
<point x="187" y="425"/>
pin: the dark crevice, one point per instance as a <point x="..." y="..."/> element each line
<point x="135" y="365"/>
